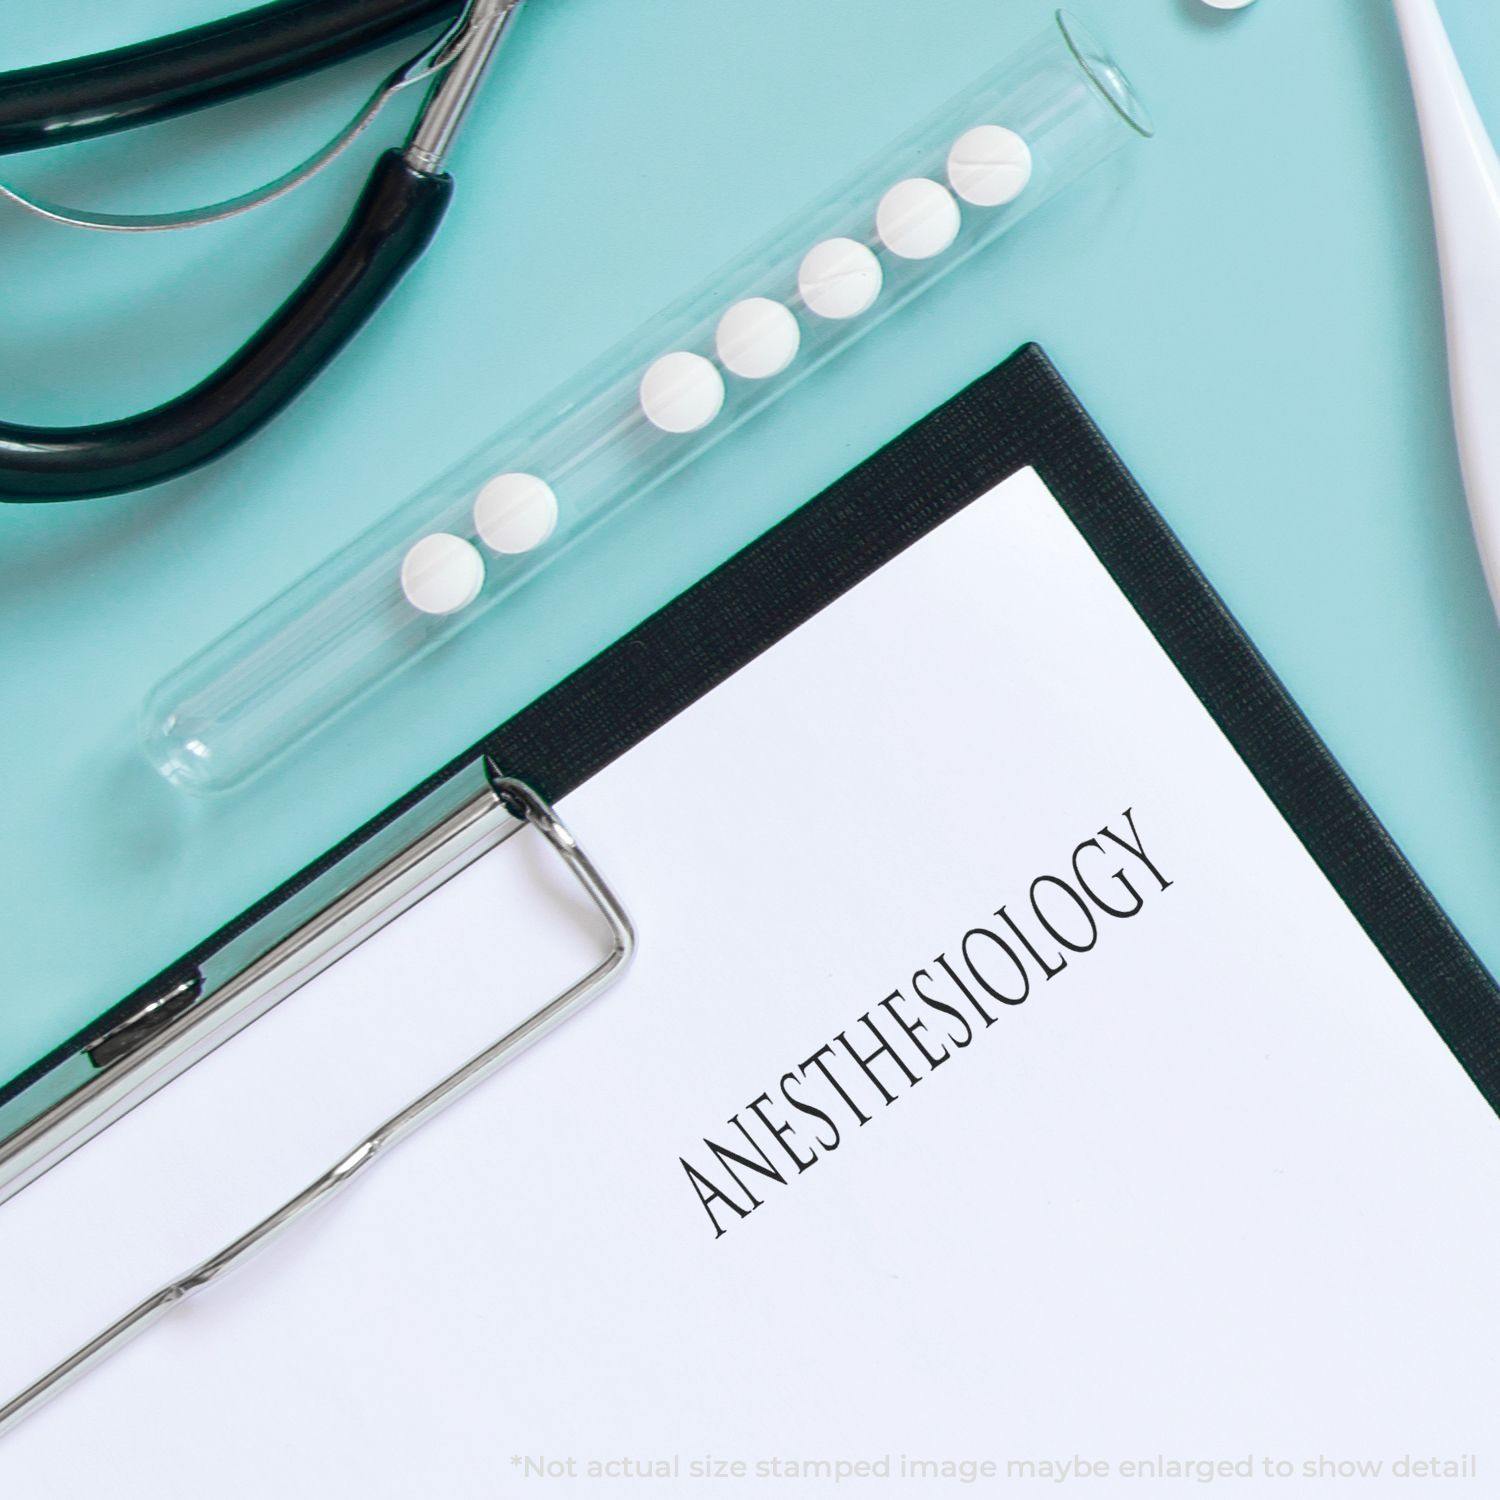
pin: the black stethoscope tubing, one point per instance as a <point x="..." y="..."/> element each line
<point x="392" y="222"/>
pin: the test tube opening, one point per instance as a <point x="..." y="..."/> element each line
<point x="1105" y="74"/>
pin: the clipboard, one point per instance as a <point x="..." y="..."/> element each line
<point x="1022" y="414"/>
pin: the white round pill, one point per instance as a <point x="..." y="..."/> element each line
<point x="1227" y="4"/>
<point x="839" y="278"/>
<point x="917" y="219"/>
<point x="682" y="392"/>
<point x="441" y="573"/>
<point x="515" y="512"/>
<point x="757" y="338"/>
<point x="989" y="165"/>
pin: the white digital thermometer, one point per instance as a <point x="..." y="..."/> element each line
<point x="1464" y="173"/>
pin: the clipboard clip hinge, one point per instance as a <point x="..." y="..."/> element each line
<point x="532" y="811"/>
<point x="147" y="1020"/>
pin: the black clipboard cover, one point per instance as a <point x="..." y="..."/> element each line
<point x="1020" y="414"/>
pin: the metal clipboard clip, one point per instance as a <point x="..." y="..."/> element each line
<point x="503" y="807"/>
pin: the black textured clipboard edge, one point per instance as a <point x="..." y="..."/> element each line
<point x="1020" y="414"/>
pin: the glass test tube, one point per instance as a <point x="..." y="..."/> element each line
<point x="444" y="558"/>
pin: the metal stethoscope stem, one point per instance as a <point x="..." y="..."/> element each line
<point x="483" y="29"/>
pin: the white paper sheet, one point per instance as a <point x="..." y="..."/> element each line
<point x="1215" y="1193"/>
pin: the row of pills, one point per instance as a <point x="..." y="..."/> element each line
<point x="839" y="278"/>
<point x="757" y="338"/>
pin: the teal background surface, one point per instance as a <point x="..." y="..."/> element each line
<point x="1248" y="305"/>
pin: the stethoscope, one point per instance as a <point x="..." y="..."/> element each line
<point x="392" y="222"/>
